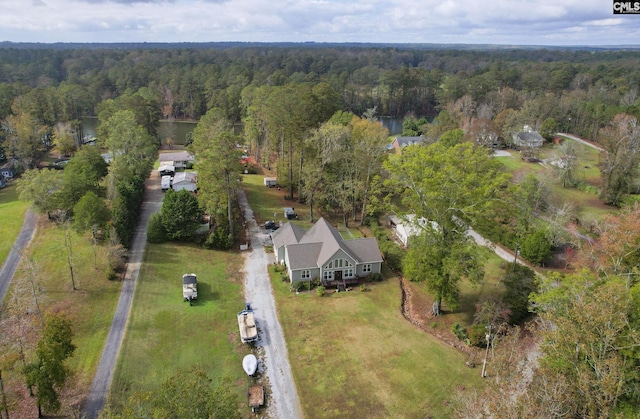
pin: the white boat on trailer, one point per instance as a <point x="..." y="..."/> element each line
<point x="250" y="364"/>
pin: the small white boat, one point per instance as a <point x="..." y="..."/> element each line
<point x="250" y="364"/>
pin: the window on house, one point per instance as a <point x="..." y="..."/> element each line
<point x="306" y="274"/>
<point x="339" y="263"/>
<point x="327" y="275"/>
<point x="348" y="273"/>
<point x="366" y="268"/>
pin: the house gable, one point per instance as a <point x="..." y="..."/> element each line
<point x="340" y="259"/>
<point x="325" y="233"/>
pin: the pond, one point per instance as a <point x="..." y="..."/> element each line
<point x="179" y="130"/>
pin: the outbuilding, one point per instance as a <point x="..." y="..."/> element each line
<point x="270" y="182"/>
<point x="185" y="180"/>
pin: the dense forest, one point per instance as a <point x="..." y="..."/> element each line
<point x="580" y="89"/>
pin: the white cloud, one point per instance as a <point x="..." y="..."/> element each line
<point x="460" y="21"/>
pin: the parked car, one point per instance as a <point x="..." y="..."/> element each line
<point x="271" y="225"/>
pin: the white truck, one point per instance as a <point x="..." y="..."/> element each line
<point x="189" y="287"/>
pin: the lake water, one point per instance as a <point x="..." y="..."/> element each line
<point x="183" y="128"/>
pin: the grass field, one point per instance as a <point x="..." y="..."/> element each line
<point x="89" y="308"/>
<point x="585" y="201"/>
<point x="12" y="213"/>
<point x="165" y="334"/>
<point x="353" y="354"/>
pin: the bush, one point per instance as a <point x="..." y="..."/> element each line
<point x="111" y="274"/>
<point x="320" y="291"/>
<point x="297" y="286"/>
<point x="459" y="331"/>
<point x="219" y="239"/>
<point x="117" y="260"/>
<point x="536" y="247"/>
<point x="376" y="277"/>
<point x="363" y="287"/>
<point x="477" y="335"/>
<point x="156" y="233"/>
<point x="519" y="283"/>
<point x="392" y="253"/>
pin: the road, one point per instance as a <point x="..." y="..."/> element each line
<point x="283" y="401"/>
<point x="104" y="374"/>
<point x="504" y="254"/>
<point x="580" y="140"/>
<point x="13" y="258"/>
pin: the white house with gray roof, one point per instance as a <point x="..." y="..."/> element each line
<point x="322" y="253"/>
<point x="178" y="159"/>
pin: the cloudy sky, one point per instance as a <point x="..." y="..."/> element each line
<point x="506" y="22"/>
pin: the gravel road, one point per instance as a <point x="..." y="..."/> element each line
<point x="13" y="258"/>
<point x="102" y="380"/>
<point x="580" y="140"/>
<point x="283" y="401"/>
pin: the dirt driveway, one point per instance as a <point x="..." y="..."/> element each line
<point x="104" y="374"/>
<point x="283" y="401"/>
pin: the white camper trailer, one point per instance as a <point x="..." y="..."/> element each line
<point x="165" y="183"/>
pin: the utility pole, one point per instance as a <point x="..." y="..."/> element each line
<point x="486" y="353"/>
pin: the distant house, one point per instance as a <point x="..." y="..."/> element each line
<point x="401" y="142"/>
<point x="321" y="253"/>
<point x="406" y="227"/>
<point x="178" y="159"/>
<point x="527" y="138"/>
<point x="185" y="180"/>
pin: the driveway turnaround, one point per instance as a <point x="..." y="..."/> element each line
<point x="102" y="380"/>
<point x="13" y="258"/>
<point x="283" y="402"/>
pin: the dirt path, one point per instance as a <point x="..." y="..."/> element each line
<point x="13" y="258"/>
<point x="283" y="401"/>
<point x="104" y="374"/>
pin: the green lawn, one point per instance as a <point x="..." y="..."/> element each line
<point x="587" y="205"/>
<point x="353" y="354"/>
<point x="165" y="334"/>
<point x="89" y="308"/>
<point x="12" y="213"/>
